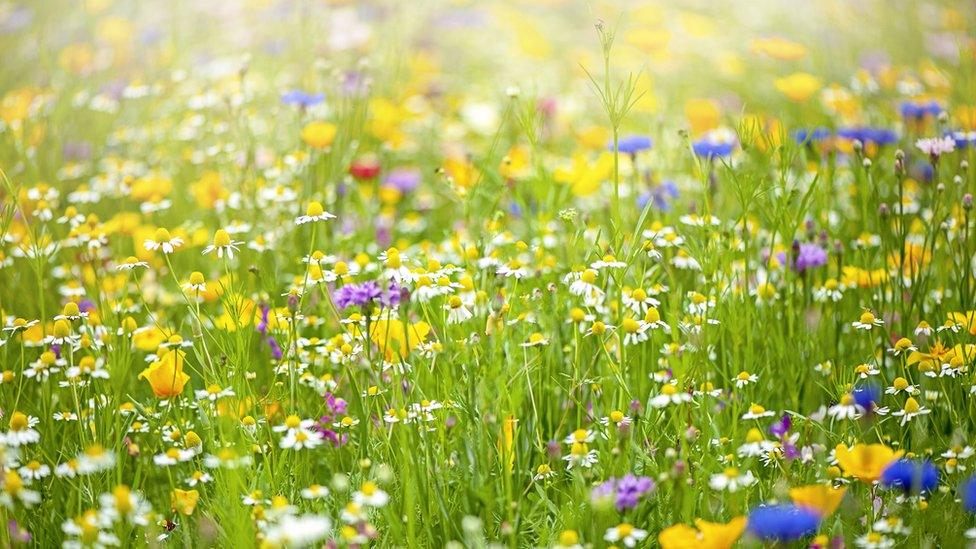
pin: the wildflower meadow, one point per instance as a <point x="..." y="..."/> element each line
<point x="696" y="274"/>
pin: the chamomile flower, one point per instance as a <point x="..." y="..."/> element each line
<point x="543" y="472"/>
<point x="131" y="263"/>
<point x="625" y="533"/>
<point x="315" y="491"/>
<point x="874" y="540"/>
<point x="301" y="438"/>
<point x="902" y="346"/>
<point x="370" y="495"/>
<point x="670" y="394"/>
<point x="314" y="213"/>
<point x="901" y="385"/>
<point x="867" y="321"/>
<point x="536" y="339"/>
<point x="222" y="245"/>
<point x="580" y="436"/>
<point x="213" y="392"/>
<point x="757" y="411"/>
<point x="20" y="430"/>
<point x="196" y="283"/>
<point x="910" y="411"/>
<point x="847" y="408"/>
<point x="731" y="480"/>
<point x="617" y="419"/>
<point x="162" y="241"/>
<point x="744" y="378"/>
<point x="581" y="456"/>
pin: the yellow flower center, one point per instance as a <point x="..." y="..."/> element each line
<point x="315" y="209"/>
<point x="221" y="238"/>
<point x="19" y="422"/>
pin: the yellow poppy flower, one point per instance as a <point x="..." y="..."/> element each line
<point x="865" y="461"/>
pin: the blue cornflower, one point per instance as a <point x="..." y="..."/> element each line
<point x="302" y="98"/>
<point x="866" y="395"/>
<point x="877" y="136"/>
<point x="963" y="139"/>
<point x="785" y="522"/>
<point x="716" y="143"/>
<point x="910" y="476"/>
<point x="968" y="492"/>
<point x="661" y="196"/>
<point x="632" y="144"/>
<point x="811" y="135"/>
<point x="914" y="109"/>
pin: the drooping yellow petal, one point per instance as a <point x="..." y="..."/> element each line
<point x="822" y="498"/>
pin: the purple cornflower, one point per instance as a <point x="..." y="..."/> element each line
<point x="809" y="256"/>
<point x="334" y="407"/>
<point x="393" y="296"/>
<point x="276" y="352"/>
<point x="403" y="179"/>
<point x="631" y="489"/>
<point x="262" y="326"/>
<point x="356" y="295"/>
<point x="626" y="492"/>
<point x="781" y="427"/>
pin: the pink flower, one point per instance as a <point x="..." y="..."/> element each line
<point x="936" y="146"/>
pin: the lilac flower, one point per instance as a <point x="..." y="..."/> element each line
<point x="809" y="256"/>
